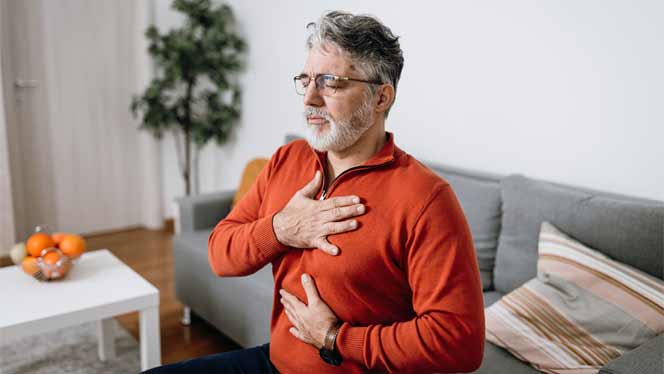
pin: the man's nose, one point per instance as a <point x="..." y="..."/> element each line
<point x="312" y="96"/>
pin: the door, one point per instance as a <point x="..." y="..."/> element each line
<point x="78" y="160"/>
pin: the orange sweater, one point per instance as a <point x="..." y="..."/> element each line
<point x="406" y="282"/>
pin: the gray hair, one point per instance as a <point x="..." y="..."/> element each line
<point x="366" y="40"/>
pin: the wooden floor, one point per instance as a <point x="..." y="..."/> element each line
<point x="150" y="254"/>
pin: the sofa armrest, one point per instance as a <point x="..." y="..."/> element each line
<point x="646" y="359"/>
<point x="203" y="211"/>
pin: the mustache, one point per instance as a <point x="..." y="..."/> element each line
<point x="312" y="111"/>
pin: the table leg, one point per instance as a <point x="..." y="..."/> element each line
<point x="186" y="316"/>
<point x="106" y="340"/>
<point x="150" y="338"/>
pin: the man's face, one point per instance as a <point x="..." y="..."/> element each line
<point x="335" y="122"/>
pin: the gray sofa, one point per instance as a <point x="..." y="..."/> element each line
<point x="504" y="213"/>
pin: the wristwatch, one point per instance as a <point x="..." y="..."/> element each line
<point x="328" y="352"/>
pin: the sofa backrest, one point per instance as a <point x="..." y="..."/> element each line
<point x="505" y="214"/>
<point x="480" y="197"/>
<point x="629" y="230"/>
<point x="291" y="137"/>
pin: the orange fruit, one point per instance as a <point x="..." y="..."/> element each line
<point x="72" y="245"/>
<point x="38" y="241"/>
<point x="57" y="237"/>
<point x="29" y="265"/>
<point x="51" y="258"/>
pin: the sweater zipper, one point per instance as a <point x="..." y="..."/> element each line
<point x="323" y="196"/>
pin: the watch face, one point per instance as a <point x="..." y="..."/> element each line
<point x="331" y="357"/>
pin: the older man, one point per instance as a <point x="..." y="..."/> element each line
<point x="373" y="261"/>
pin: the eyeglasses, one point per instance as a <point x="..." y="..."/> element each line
<point x="326" y="84"/>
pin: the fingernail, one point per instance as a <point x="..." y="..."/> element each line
<point x="353" y="223"/>
<point x="305" y="278"/>
<point x="360" y="209"/>
<point x="335" y="251"/>
<point x="356" y="200"/>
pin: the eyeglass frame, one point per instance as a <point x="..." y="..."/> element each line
<point x="335" y="77"/>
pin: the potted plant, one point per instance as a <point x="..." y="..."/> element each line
<point x="194" y="93"/>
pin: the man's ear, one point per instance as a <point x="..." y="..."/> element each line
<point x="385" y="96"/>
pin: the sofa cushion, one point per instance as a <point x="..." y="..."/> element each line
<point x="647" y="359"/>
<point x="499" y="361"/>
<point x="627" y="229"/>
<point x="491" y="297"/>
<point x="480" y="198"/>
<point x="581" y="311"/>
<point x="249" y="175"/>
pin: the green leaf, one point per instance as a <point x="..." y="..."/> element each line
<point x="207" y="53"/>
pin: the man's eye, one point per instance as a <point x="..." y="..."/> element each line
<point x="332" y="83"/>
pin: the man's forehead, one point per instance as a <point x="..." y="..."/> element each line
<point x="329" y="60"/>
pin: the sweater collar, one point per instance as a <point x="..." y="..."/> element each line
<point x="386" y="154"/>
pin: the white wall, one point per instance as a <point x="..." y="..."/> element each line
<point x="571" y="92"/>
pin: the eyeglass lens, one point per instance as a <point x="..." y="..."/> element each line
<point x="322" y="85"/>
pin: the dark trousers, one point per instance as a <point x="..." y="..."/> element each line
<point x="243" y="361"/>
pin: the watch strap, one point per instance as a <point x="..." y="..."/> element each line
<point x="331" y="336"/>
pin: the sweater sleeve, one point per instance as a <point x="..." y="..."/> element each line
<point x="447" y="333"/>
<point x="244" y="242"/>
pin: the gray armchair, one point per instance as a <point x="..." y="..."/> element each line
<point x="239" y="307"/>
<point x="203" y="211"/>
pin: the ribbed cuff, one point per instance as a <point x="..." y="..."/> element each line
<point x="350" y="343"/>
<point x="266" y="240"/>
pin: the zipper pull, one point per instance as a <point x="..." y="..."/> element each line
<point x="322" y="197"/>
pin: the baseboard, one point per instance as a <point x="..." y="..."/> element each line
<point x="5" y="261"/>
<point x="169" y="225"/>
<point x="112" y="231"/>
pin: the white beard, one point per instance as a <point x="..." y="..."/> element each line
<point x="338" y="135"/>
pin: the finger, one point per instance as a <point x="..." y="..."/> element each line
<point x="339" y="201"/>
<point x="285" y="298"/>
<point x="310" y="189"/>
<point x="292" y="299"/>
<point x="297" y="328"/>
<point x="286" y="304"/>
<point x="298" y="334"/>
<point x="285" y="301"/>
<point x="340" y="213"/>
<point x="327" y="247"/>
<point x="310" y="288"/>
<point x="291" y="318"/>
<point x="339" y="227"/>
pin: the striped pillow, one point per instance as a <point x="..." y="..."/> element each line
<point x="581" y="311"/>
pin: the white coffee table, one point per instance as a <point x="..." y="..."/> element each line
<point x="98" y="287"/>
